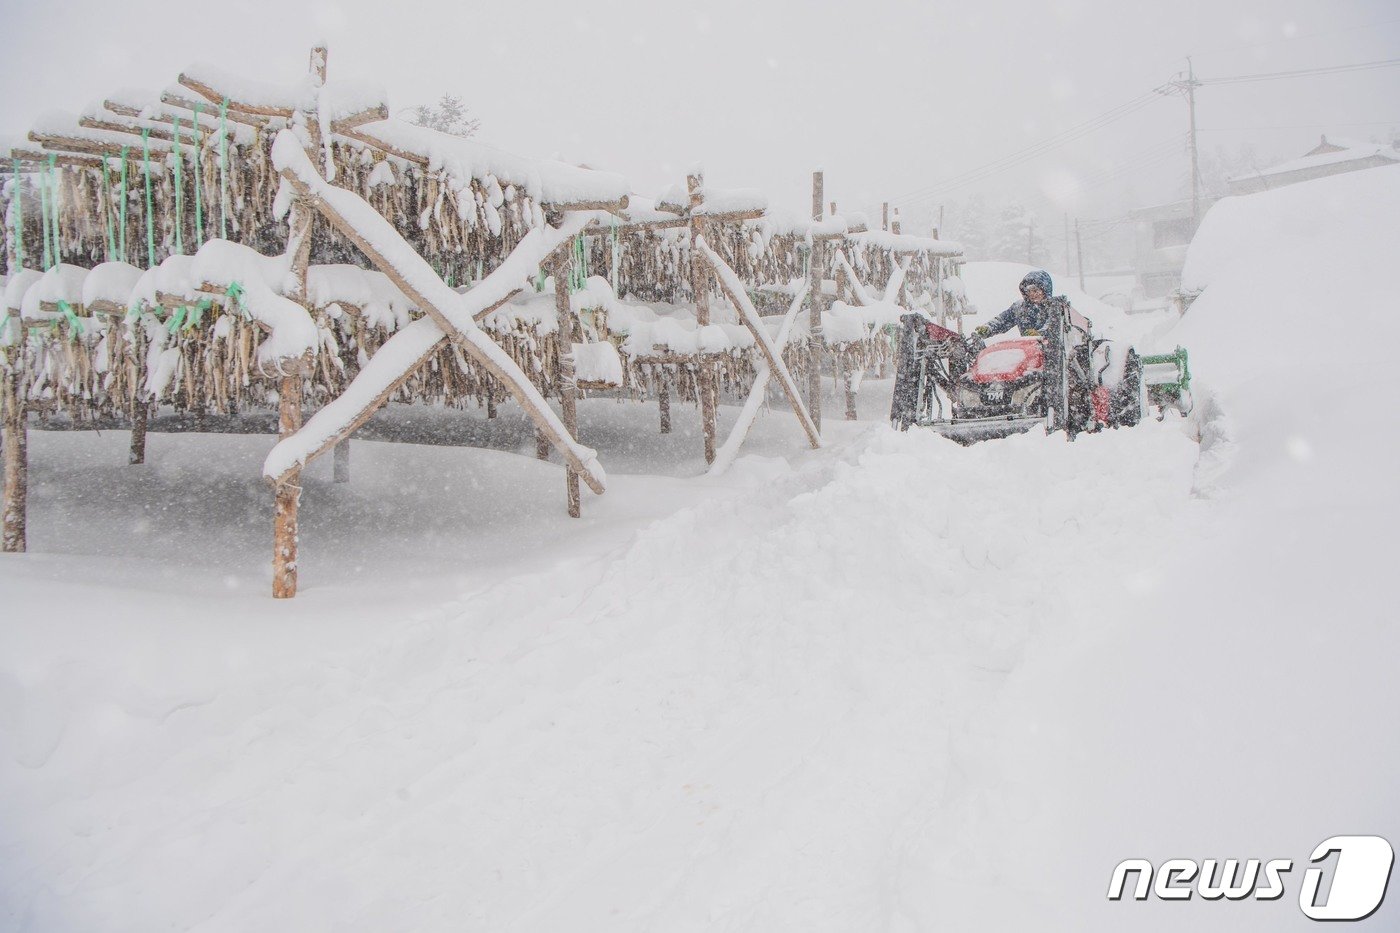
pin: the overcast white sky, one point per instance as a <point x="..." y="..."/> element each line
<point x="886" y="97"/>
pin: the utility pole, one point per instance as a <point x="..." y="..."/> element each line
<point x="1067" y="244"/>
<point x="1191" y="84"/>
<point x="1187" y="85"/>
<point x="1079" y="251"/>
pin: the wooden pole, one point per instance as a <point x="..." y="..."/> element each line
<point x="140" y="408"/>
<point x="566" y="375"/>
<point x="894" y="221"/>
<point x="541" y="445"/>
<point x="814" y="320"/>
<point x="13" y="538"/>
<point x="664" y="397"/>
<point x="340" y="466"/>
<point x="885" y="216"/>
<point x="700" y="285"/>
<point x="287" y="495"/>
<point x="140" y="416"/>
<point x="1079" y="253"/>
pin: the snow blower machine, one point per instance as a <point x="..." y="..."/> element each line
<point x="1063" y="378"/>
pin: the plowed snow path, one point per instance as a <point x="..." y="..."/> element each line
<point x="746" y="716"/>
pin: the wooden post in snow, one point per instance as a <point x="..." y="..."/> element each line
<point x="700" y="285"/>
<point x="541" y="445"/>
<point x="340" y="468"/>
<point x="814" y="295"/>
<point x="140" y="407"/>
<point x="885" y="216"/>
<point x="663" y="392"/>
<point x="287" y="497"/>
<point x="567" y="376"/>
<point x="16" y="440"/>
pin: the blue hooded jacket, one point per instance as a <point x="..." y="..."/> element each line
<point x="1024" y="314"/>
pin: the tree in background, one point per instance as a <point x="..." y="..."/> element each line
<point x="450" y="115"/>
<point x="1018" y="236"/>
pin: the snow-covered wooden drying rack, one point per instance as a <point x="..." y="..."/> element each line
<point x="222" y="324"/>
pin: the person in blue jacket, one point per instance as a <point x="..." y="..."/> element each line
<point x="1030" y="314"/>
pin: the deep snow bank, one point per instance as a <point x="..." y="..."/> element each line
<point x="1245" y="707"/>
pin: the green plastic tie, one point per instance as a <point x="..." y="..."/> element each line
<point x="198" y="183"/>
<point x="179" y="192"/>
<point x="223" y="169"/>
<point x="75" y="326"/>
<point x="150" y="208"/>
<point x="195" y="313"/>
<point x="18" y="198"/>
<point x="122" y="207"/>
<point x="176" y="320"/>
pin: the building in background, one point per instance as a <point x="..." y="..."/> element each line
<point x="1161" y="234"/>
<point x="1329" y="157"/>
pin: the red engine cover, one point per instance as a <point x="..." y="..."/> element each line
<point x="1008" y="360"/>
<point x="938" y="333"/>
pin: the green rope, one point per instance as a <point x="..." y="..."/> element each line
<point x="107" y="210"/>
<point x="18" y="217"/>
<point x="198" y="183"/>
<point x="176" y="320"/>
<point x="53" y="206"/>
<point x="578" y="273"/>
<point x="150" y="208"/>
<point x="122" y="207"/>
<point x="75" y="326"/>
<point x="44" y="217"/>
<point x="223" y="169"/>
<point x="179" y="192"/>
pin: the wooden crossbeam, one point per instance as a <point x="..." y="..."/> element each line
<point x="184" y="103"/>
<point x="234" y="105"/>
<point x="59" y="143"/>
<point x="189" y="134"/>
<point x="42" y="158"/>
<point x="372" y="115"/>
<point x="726" y="277"/>
<point x="444" y="323"/>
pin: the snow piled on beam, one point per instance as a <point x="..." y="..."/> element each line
<point x="459" y="309"/>
<point x="464" y="159"/>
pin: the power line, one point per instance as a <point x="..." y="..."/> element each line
<point x="1303" y="72"/>
<point x="1293" y="126"/>
<point x="1310" y="35"/>
<point x="1028" y="153"/>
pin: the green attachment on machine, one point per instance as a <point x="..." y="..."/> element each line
<point x="1178" y="359"/>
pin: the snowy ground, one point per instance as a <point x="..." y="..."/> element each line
<point x="895" y="684"/>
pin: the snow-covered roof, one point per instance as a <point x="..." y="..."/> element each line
<point x="1355" y="151"/>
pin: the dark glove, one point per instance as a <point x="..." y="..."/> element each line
<point x="984" y="331"/>
<point x="1030" y="332"/>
